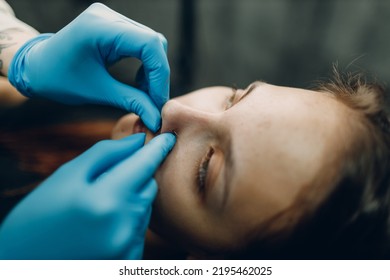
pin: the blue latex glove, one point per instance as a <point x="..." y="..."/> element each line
<point x="96" y="206"/>
<point x="71" y="65"/>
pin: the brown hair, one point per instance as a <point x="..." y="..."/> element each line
<point x="38" y="137"/>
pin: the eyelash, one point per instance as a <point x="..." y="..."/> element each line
<point x="232" y="98"/>
<point x="201" y="175"/>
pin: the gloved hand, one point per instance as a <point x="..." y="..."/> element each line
<point x="96" y="206"/>
<point x="70" y="66"/>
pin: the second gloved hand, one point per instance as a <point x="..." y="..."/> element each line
<point x="96" y="206"/>
<point x="71" y="65"/>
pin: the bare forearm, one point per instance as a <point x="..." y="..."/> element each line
<point x="13" y="34"/>
<point x="9" y="96"/>
<point x="10" y="41"/>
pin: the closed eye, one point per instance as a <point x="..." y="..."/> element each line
<point x="231" y="99"/>
<point x="235" y="97"/>
<point x="201" y="176"/>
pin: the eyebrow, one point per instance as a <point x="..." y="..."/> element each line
<point x="230" y="166"/>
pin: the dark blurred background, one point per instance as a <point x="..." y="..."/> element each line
<point x="220" y="42"/>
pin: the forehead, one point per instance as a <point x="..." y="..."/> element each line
<point x="281" y="138"/>
<point x="281" y="111"/>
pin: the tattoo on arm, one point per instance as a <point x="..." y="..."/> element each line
<point x="4" y="36"/>
<point x="5" y="39"/>
<point x="2" y="47"/>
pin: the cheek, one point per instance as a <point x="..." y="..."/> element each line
<point x="174" y="191"/>
<point x="178" y="214"/>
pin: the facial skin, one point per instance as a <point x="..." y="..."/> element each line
<point x="265" y="147"/>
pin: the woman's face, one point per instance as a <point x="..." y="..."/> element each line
<point x="240" y="158"/>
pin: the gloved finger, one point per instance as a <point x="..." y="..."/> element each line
<point x="150" y="50"/>
<point x="164" y="42"/>
<point x="134" y="100"/>
<point x="110" y="14"/>
<point x="141" y="78"/>
<point x="135" y="247"/>
<point x="135" y="252"/>
<point x="104" y="154"/>
<point x="157" y="75"/>
<point x="134" y="172"/>
<point x="103" y="9"/>
<point x="148" y="192"/>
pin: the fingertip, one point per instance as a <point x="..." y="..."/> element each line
<point x="152" y="123"/>
<point x="170" y="138"/>
<point x="142" y="105"/>
<point x="166" y="140"/>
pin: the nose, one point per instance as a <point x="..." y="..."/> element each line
<point x="177" y="116"/>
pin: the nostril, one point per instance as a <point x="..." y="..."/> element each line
<point x="177" y="117"/>
<point x="169" y="109"/>
<point x="169" y="115"/>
